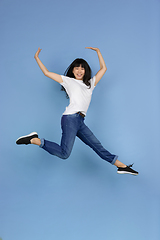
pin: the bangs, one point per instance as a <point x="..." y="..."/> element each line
<point x="80" y="62"/>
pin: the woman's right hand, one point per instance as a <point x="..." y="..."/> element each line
<point x="37" y="53"/>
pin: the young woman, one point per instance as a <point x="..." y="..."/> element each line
<point x="79" y="86"/>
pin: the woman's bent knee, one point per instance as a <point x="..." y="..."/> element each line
<point x="65" y="156"/>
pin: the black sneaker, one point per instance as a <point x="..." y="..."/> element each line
<point x="127" y="169"/>
<point x="26" y="139"/>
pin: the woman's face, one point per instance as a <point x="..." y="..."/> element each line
<point x="79" y="72"/>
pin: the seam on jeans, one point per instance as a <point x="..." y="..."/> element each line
<point x="95" y="147"/>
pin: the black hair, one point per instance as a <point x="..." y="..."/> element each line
<point x="76" y="63"/>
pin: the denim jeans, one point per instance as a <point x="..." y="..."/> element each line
<point x="72" y="126"/>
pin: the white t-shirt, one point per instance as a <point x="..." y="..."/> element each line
<point x="79" y="94"/>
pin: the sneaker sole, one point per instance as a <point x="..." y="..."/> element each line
<point x="121" y="172"/>
<point x="29" y="135"/>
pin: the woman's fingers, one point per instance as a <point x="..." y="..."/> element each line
<point x="92" y="48"/>
<point x="39" y="50"/>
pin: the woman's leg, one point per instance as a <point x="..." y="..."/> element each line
<point x="69" y="131"/>
<point x="117" y="163"/>
<point x="89" y="139"/>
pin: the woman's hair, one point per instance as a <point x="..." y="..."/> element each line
<point x="76" y="63"/>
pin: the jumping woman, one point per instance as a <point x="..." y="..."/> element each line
<point x="79" y="86"/>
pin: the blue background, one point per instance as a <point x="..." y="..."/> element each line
<point x="43" y="197"/>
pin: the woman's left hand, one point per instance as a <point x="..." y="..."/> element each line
<point x="103" y="67"/>
<point x="95" y="49"/>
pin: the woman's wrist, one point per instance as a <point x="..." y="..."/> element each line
<point x="36" y="57"/>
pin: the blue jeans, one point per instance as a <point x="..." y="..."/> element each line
<point x="72" y="126"/>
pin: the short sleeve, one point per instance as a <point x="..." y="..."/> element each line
<point x="65" y="81"/>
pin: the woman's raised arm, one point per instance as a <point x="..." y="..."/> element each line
<point x="56" y="77"/>
<point x="103" y="67"/>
